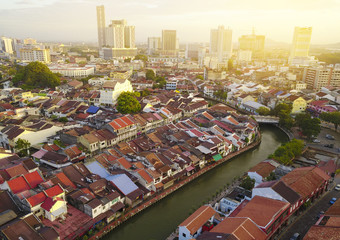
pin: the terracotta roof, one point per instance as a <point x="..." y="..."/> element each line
<point x="242" y="228"/>
<point x="334" y="210"/>
<point x="262" y="210"/>
<point x="36" y="199"/>
<point x="16" y="170"/>
<point x="145" y="175"/>
<point x="65" y="180"/>
<point x="34" y="179"/>
<point x="198" y="218"/>
<point x="263" y="169"/>
<point x="18" y="185"/>
<point x="48" y="203"/>
<point x="317" y="232"/>
<point x="125" y="163"/>
<point x="305" y="180"/>
<point x="54" y="191"/>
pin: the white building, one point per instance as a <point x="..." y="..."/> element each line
<point x="72" y="70"/>
<point x="6" y="45"/>
<point x="221" y="43"/>
<point x="112" y="89"/>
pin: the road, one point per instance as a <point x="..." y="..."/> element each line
<point x="308" y="218"/>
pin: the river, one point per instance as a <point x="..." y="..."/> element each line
<point x="158" y="221"/>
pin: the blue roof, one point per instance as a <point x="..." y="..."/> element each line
<point x="96" y="168"/>
<point x="92" y="109"/>
<point x="123" y="183"/>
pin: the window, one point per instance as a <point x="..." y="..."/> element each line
<point x="184" y="235"/>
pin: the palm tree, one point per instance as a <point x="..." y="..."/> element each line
<point x="23" y="146"/>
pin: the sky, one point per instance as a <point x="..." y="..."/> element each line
<point x="75" y="20"/>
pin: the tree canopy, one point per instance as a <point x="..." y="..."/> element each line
<point x="221" y="94"/>
<point x="142" y="57"/>
<point x="263" y="111"/>
<point x="248" y="183"/>
<point x="36" y="75"/>
<point x="22" y="146"/>
<point x="160" y="82"/>
<point x="127" y="103"/>
<point x="308" y="125"/>
<point x="200" y="77"/>
<point x="150" y="74"/>
<point x="333" y="117"/>
<point x="288" y="151"/>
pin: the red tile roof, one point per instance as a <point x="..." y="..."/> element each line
<point x="198" y="218"/>
<point x="305" y="180"/>
<point x="36" y="199"/>
<point x="317" y="232"/>
<point x="16" y="170"/>
<point x="125" y="163"/>
<point x="54" y="191"/>
<point x="34" y="179"/>
<point x="263" y="210"/>
<point x="263" y="169"/>
<point x="145" y="175"/>
<point x="18" y="185"/>
<point x="241" y="228"/>
<point x="65" y="180"/>
<point x="48" y="204"/>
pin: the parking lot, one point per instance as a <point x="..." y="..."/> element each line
<point x="323" y="140"/>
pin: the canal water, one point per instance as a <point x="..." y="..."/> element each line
<point x="160" y="220"/>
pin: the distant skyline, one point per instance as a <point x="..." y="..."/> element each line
<point x="75" y="20"/>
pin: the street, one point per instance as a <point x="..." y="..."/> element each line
<point x="308" y="218"/>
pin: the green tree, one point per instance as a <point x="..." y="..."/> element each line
<point x="248" y="183"/>
<point x="0" y="76"/>
<point x="127" y="60"/>
<point x="221" y="94"/>
<point x="200" y="77"/>
<point x="288" y="151"/>
<point x="333" y="117"/>
<point x="160" y="82"/>
<point x="36" y="75"/>
<point x="285" y="120"/>
<point x="230" y="64"/>
<point x="150" y="74"/>
<point x="142" y="57"/>
<point x="308" y="125"/>
<point x="145" y="93"/>
<point x="263" y="111"/>
<point x="63" y="119"/>
<point x="282" y="108"/>
<point x="127" y="103"/>
<point x="271" y="177"/>
<point x="23" y="146"/>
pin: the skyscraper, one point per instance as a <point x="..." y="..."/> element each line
<point x="169" y="40"/>
<point x="301" y="42"/>
<point x="154" y="44"/>
<point x="119" y="35"/>
<point x="253" y="43"/>
<point x="101" y="25"/>
<point x="221" y="43"/>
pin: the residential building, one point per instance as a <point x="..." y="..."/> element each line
<point x="111" y="90"/>
<point x="318" y="77"/>
<point x="35" y="54"/>
<point x="192" y="226"/>
<point x="221" y="43"/>
<point x="72" y="71"/>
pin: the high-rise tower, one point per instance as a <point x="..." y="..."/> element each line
<point x="101" y="25"/>
<point x="221" y="42"/>
<point x="301" y="42"/>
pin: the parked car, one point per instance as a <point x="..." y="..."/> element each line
<point x="320" y="214"/>
<point x="332" y="201"/>
<point x="337" y="187"/>
<point x="330" y="137"/>
<point x="316" y="141"/>
<point x="329" y="145"/>
<point x="296" y="236"/>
